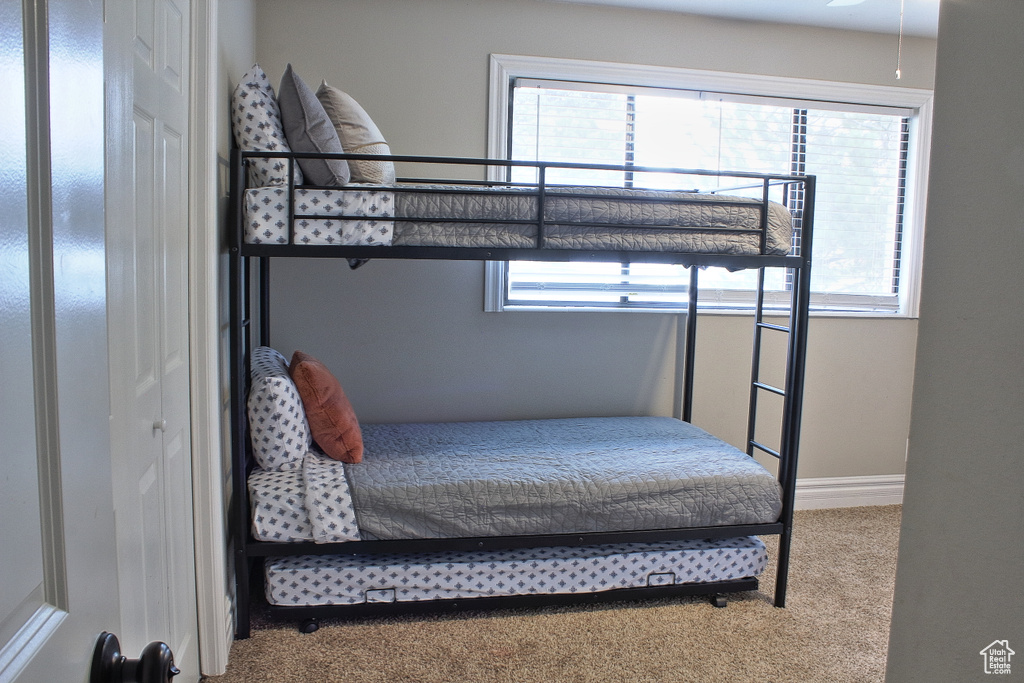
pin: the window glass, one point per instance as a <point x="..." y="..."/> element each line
<point x="859" y="157"/>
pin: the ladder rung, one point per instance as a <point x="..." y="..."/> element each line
<point x="771" y="326"/>
<point x="769" y="451"/>
<point x="768" y="387"/>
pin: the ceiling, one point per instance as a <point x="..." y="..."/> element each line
<point x="920" y="17"/>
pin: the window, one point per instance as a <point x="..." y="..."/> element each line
<point x="862" y="146"/>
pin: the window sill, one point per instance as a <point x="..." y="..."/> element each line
<point x="727" y="312"/>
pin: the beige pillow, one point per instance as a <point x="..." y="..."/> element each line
<point x="358" y="134"/>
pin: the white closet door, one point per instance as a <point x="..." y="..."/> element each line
<point x="147" y="228"/>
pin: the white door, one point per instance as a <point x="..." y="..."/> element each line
<point x="147" y="236"/>
<point x="58" y="579"/>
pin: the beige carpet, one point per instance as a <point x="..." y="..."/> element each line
<point x="835" y="628"/>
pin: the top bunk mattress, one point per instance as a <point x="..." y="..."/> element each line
<point x="575" y="218"/>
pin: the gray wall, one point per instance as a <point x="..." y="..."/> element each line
<point x="961" y="557"/>
<point x="409" y="341"/>
<point x="235" y="55"/>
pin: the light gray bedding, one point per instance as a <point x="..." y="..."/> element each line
<point x="607" y="219"/>
<point x="553" y="476"/>
<point x="595" y="222"/>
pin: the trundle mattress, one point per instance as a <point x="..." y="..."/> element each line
<point x="308" y="580"/>
<point x="583" y="218"/>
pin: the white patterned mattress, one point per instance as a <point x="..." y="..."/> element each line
<point x="307" y="580"/>
<point x="444" y="480"/>
<point x="581" y="218"/>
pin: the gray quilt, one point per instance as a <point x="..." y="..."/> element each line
<point x="553" y="476"/>
<point x="607" y="218"/>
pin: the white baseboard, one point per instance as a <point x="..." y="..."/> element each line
<point x="842" y="492"/>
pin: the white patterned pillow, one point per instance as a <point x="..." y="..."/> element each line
<point x="278" y="429"/>
<point x="332" y="515"/>
<point x="256" y="120"/>
<point x="278" y="506"/>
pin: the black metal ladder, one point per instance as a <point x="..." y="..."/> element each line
<point x="791" y="395"/>
<point x="756" y="385"/>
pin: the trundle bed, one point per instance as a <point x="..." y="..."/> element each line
<point x="483" y="514"/>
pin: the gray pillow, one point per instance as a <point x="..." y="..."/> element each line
<point x="308" y="129"/>
<point x="358" y="134"/>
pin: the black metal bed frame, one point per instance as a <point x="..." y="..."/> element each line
<point x="248" y="550"/>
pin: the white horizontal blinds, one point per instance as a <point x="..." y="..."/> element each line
<point x="858" y="153"/>
<point x="707" y="131"/>
<point x="857" y="160"/>
<point x="575" y="126"/>
<point x="582" y="126"/>
<point x="673" y="132"/>
<point x="715" y="134"/>
<point x="901" y="203"/>
<point x="595" y="285"/>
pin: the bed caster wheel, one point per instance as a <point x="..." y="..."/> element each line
<point x="719" y="601"/>
<point x="309" y="626"/>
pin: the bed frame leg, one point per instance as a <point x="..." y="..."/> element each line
<point x="719" y="601"/>
<point x="311" y="625"/>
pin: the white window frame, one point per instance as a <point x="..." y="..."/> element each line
<point x="505" y="69"/>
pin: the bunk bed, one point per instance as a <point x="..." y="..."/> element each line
<point x="486" y="514"/>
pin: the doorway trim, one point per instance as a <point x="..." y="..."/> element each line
<point x="214" y="606"/>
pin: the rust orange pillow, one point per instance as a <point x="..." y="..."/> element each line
<point x="332" y="421"/>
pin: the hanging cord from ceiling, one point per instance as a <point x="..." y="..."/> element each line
<point x="899" y="44"/>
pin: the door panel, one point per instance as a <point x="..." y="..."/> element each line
<point x="145" y="30"/>
<point x="19" y="487"/>
<point x="56" y="521"/>
<point x="181" y="612"/>
<point x="175" y="39"/>
<point x="142" y="328"/>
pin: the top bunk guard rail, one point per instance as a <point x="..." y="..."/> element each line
<point x="480" y="161"/>
<point x="245" y="332"/>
